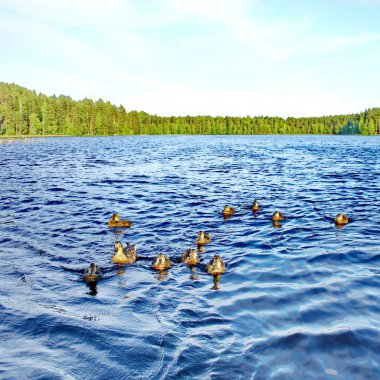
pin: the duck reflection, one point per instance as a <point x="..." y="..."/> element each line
<point x="216" y="282"/>
<point x="161" y="275"/>
<point x="193" y="271"/>
<point x="201" y="248"/>
<point x="276" y="224"/>
<point x="93" y="288"/>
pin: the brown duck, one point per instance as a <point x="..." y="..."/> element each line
<point x="202" y="238"/>
<point x="161" y="263"/>
<point x="124" y="256"/>
<point x="115" y="222"/>
<point x="216" y="266"/>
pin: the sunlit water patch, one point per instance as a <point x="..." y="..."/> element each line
<point x="298" y="301"/>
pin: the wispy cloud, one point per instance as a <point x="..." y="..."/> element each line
<point x="190" y="56"/>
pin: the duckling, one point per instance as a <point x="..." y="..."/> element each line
<point x="228" y="211"/>
<point x="161" y="263"/>
<point x="216" y="266"/>
<point x="341" y="220"/>
<point x="277" y="216"/>
<point x="190" y="257"/>
<point x="124" y="256"/>
<point x="92" y="273"/>
<point x="255" y="206"/>
<point x="115" y="222"/>
<point x="202" y="238"/>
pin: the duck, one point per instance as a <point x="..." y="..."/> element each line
<point x="161" y="263"/>
<point x="341" y="220"/>
<point x="115" y="222"/>
<point x="123" y="255"/>
<point x="277" y="216"/>
<point x="202" y="238"/>
<point x="228" y="211"/>
<point x="216" y="266"/>
<point x="92" y="273"/>
<point x="190" y="257"/>
<point x="255" y="206"/>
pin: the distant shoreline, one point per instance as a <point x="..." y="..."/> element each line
<point x="24" y="113"/>
<point x="258" y="134"/>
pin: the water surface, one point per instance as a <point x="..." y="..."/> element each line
<point x="297" y="302"/>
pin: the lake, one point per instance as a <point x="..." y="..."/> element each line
<point x="300" y="301"/>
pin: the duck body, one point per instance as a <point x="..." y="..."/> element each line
<point x="190" y="257"/>
<point x="255" y="206"/>
<point x="92" y="273"/>
<point x="161" y="263"/>
<point x="124" y="256"/>
<point x="341" y="219"/>
<point x="130" y="253"/>
<point x="202" y="238"/>
<point x="216" y="266"/>
<point x="115" y="222"/>
<point x="277" y="215"/>
<point x="228" y="211"/>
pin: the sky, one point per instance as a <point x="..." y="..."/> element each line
<point x="198" y="57"/>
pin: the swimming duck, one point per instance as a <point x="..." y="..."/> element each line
<point x="190" y="257"/>
<point x="228" y="211"/>
<point x="124" y="256"/>
<point x="161" y="263"/>
<point x="202" y="238"/>
<point x="255" y="206"/>
<point x="115" y="222"/>
<point x="92" y="273"/>
<point x="277" y="216"/>
<point x="216" y="266"/>
<point x="341" y="220"/>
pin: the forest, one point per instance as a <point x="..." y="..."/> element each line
<point x="24" y="112"/>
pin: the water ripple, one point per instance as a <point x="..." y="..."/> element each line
<point x="297" y="301"/>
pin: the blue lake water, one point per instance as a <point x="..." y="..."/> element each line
<point x="297" y="302"/>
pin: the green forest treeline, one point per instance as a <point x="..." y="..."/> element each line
<point x="24" y="112"/>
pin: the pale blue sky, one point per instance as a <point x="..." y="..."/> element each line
<point x="198" y="57"/>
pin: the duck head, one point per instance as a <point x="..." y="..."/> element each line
<point x="91" y="274"/>
<point x="201" y="235"/>
<point x="115" y="217"/>
<point x="92" y="269"/>
<point x="119" y="249"/>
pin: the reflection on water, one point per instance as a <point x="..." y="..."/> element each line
<point x="216" y="282"/>
<point x="161" y="275"/>
<point x="276" y="224"/>
<point x="296" y="302"/>
<point x="93" y="288"/>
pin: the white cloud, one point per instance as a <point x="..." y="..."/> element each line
<point x="184" y="57"/>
